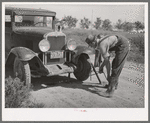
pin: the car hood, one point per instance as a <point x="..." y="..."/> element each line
<point x="34" y="31"/>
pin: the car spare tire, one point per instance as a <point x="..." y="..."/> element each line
<point x="83" y="68"/>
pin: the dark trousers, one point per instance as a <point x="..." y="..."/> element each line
<point x="121" y="51"/>
<point x="97" y="60"/>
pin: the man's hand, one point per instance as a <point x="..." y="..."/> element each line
<point x="101" y="70"/>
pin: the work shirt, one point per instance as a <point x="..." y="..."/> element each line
<point x="106" y="44"/>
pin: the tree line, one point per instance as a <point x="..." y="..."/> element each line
<point x="85" y="23"/>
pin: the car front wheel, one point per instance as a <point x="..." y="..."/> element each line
<point x="21" y="70"/>
<point x="83" y="68"/>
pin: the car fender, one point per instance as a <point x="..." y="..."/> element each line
<point x="25" y="54"/>
<point x="82" y="50"/>
<point x="22" y="53"/>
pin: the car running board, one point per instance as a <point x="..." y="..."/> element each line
<point x="59" y="69"/>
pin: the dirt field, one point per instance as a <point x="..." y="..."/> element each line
<point x="57" y="92"/>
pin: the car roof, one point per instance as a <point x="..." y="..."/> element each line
<point x="29" y="11"/>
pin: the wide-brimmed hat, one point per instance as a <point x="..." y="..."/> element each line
<point x="90" y="38"/>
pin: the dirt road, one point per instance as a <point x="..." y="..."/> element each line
<point x="57" y="92"/>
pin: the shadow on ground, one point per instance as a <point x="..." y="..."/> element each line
<point x="63" y="81"/>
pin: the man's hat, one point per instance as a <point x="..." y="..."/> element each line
<point x="90" y="38"/>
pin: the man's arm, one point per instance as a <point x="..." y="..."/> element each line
<point x="104" y="51"/>
<point x="107" y="63"/>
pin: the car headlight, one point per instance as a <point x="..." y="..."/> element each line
<point x="44" y="45"/>
<point x="71" y="44"/>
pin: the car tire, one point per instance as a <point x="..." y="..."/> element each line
<point x="83" y="68"/>
<point x="21" y="70"/>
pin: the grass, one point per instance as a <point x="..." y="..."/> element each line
<point x="17" y="95"/>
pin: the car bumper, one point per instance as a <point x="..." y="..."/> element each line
<point x="60" y="69"/>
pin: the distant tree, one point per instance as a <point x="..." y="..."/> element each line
<point x="127" y="26"/>
<point x="85" y="23"/>
<point x="70" y="21"/>
<point x="97" y="23"/>
<point x="107" y="24"/>
<point x="119" y="24"/>
<point x="139" y="25"/>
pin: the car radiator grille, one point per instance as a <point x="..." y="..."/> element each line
<point x="56" y="44"/>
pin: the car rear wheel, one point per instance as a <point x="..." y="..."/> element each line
<point x="83" y="68"/>
<point x="21" y="70"/>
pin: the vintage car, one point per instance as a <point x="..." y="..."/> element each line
<point x="35" y="48"/>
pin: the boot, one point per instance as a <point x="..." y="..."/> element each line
<point x="110" y="90"/>
<point x="107" y="85"/>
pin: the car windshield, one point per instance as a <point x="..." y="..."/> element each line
<point x="33" y="21"/>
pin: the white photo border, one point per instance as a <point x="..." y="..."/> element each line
<point x="69" y="114"/>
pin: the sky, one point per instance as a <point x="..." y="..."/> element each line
<point x="112" y="11"/>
